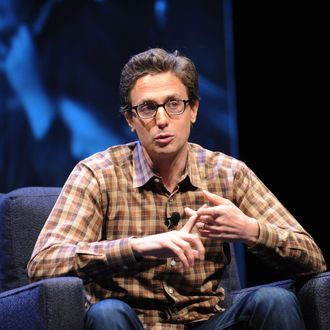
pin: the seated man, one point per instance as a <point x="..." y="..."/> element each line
<point x="144" y="224"/>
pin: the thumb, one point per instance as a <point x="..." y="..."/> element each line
<point x="193" y="216"/>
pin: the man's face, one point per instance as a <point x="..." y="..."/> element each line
<point x="162" y="137"/>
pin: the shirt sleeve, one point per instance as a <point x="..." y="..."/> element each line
<point x="283" y="243"/>
<point x="70" y="242"/>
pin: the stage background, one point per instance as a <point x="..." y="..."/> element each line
<point x="261" y="68"/>
<point x="61" y="64"/>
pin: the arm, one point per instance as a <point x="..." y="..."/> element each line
<point x="71" y="241"/>
<point x="255" y="217"/>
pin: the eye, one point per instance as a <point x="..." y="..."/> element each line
<point x="173" y="104"/>
<point x="147" y="106"/>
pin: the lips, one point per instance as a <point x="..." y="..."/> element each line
<point x="163" y="138"/>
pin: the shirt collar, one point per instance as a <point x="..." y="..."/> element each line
<point x="194" y="171"/>
<point x="142" y="172"/>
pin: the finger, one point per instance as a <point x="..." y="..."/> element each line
<point x="177" y="250"/>
<point x="198" y="245"/>
<point x="203" y="226"/>
<point x="211" y="212"/>
<point x="190" y="223"/>
<point x="189" y="212"/>
<point x="184" y="250"/>
<point x="215" y="199"/>
<point x="192" y="220"/>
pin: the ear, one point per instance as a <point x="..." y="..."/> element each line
<point x="129" y="120"/>
<point x="193" y="112"/>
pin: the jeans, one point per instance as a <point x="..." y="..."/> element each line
<point x="265" y="308"/>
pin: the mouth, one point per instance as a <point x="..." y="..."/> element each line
<point x="163" y="139"/>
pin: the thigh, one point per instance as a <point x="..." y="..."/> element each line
<point x="260" y="309"/>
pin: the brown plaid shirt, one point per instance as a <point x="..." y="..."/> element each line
<point x="114" y="195"/>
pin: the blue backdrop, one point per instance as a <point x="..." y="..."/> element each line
<point x="60" y="63"/>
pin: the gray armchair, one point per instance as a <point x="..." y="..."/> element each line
<point x="58" y="303"/>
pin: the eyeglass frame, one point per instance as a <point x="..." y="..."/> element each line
<point x="135" y="107"/>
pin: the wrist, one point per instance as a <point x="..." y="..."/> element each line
<point x="253" y="232"/>
<point x="136" y="247"/>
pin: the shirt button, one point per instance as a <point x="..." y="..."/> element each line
<point x="170" y="290"/>
<point x="173" y="262"/>
<point x="157" y="180"/>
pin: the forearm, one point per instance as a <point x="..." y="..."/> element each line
<point x="291" y="251"/>
<point x="72" y="241"/>
<point x="82" y="259"/>
<point x="282" y="243"/>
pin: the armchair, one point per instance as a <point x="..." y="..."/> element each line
<point x="58" y="303"/>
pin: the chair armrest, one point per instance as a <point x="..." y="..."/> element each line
<point x="52" y="304"/>
<point x="314" y="298"/>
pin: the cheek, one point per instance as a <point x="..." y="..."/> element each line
<point x="185" y="126"/>
<point x="143" y="132"/>
<point x="183" y="131"/>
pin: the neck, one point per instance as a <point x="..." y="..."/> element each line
<point x="170" y="168"/>
<point x="171" y="173"/>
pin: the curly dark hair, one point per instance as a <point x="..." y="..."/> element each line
<point x="153" y="61"/>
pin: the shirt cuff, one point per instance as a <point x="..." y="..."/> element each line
<point x="268" y="239"/>
<point x="120" y="254"/>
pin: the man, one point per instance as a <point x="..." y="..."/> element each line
<point x="144" y="224"/>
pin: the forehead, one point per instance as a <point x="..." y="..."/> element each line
<point x="157" y="86"/>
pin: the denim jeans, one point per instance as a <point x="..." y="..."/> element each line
<point x="265" y="308"/>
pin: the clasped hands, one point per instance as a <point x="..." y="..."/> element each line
<point x="223" y="221"/>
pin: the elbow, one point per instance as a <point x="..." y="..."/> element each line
<point x="34" y="272"/>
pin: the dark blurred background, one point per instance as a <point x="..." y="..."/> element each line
<point x="282" y="83"/>
<point x="263" y="84"/>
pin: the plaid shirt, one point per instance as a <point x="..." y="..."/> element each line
<point x="114" y="195"/>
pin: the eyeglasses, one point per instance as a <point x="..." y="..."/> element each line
<point x="173" y="107"/>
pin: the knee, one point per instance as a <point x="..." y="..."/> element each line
<point x="273" y="305"/>
<point x="102" y="311"/>
<point x="108" y="306"/>
<point x="275" y="296"/>
<point x="112" y="314"/>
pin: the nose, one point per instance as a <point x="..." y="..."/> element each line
<point x="161" y="117"/>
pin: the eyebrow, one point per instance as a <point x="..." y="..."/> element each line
<point x="169" y="97"/>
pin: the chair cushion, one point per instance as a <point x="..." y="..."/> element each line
<point x="23" y="213"/>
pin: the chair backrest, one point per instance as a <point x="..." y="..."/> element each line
<point x="23" y="213"/>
